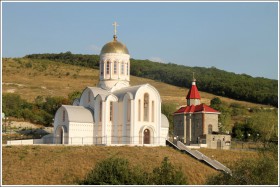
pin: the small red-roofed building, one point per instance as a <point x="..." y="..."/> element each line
<point x="196" y="123"/>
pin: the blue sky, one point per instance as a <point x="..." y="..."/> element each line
<point x="233" y="36"/>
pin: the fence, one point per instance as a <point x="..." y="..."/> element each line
<point x="246" y="145"/>
<point x="97" y="140"/>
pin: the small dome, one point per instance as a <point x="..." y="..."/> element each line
<point x="114" y="47"/>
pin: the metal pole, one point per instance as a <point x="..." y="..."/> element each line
<point x="5" y="124"/>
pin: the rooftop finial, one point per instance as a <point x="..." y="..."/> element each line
<point x="193" y="77"/>
<point x="115" y="30"/>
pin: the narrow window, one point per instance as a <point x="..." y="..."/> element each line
<point x="100" y="111"/>
<point x="111" y="111"/>
<point x="153" y="111"/>
<point x="108" y="68"/>
<point x="63" y="116"/>
<point x="146" y="107"/>
<point x="122" y="68"/>
<point x="128" y="110"/>
<point x="115" y="67"/>
<point x="127" y="68"/>
<point x="101" y="68"/>
<point x="209" y="129"/>
<point x="139" y="110"/>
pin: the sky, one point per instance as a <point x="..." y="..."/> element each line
<point x="239" y="37"/>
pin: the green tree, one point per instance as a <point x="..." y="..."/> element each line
<point x="168" y="110"/>
<point x="260" y="171"/>
<point x="74" y="95"/>
<point x="167" y="174"/>
<point x="266" y="124"/>
<point x="225" y="116"/>
<point x="117" y="171"/>
<point x="113" y="171"/>
<point x="215" y="103"/>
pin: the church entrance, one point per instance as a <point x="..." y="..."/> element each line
<point x="219" y="144"/>
<point x="59" y="136"/>
<point x="147" y="136"/>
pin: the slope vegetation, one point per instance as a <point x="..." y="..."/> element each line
<point x="40" y="77"/>
<point x="64" y="165"/>
<point x="212" y="80"/>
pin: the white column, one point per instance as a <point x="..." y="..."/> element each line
<point x="104" y="122"/>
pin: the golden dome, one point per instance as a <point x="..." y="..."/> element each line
<point x="114" y="47"/>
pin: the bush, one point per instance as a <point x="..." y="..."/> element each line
<point x="166" y="174"/>
<point x="113" y="171"/>
<point x="116" y="171"/>
<point x="262" y="171"/>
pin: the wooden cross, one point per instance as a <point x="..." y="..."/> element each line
<point x="115" y="25"/>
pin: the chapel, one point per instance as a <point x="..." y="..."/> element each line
<point x="113" y="112"/>
<point x="197" y="123"/>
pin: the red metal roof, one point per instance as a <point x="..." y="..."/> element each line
<point x="193" y="93"/>
<point x="196" y="109"/>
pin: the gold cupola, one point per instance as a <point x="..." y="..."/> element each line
<point x="115" y="46"/>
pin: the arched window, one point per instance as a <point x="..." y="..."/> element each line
<point x="88" y="96"/>
<point x="115" y="67"/>
<point x="146" y="107"/>
<point x="153" y="111"/>
<point x="111" y="111"/>
<point x="108" y="68"/>
<point x="127" y="69"/>
<point x="210" y="129"/>
<point x="128" y="108"/>
<point x="63" y="116"/>
<point x="101" y="68"/>
<point x="122" y="68"/>
<point x="100" y="111"/>
<point x="139" y="110"/>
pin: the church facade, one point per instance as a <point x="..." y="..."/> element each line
<point x="197" y="123"/>
<point x="113" y="113"/>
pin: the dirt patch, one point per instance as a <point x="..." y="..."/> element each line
<point x="24" y="124"/>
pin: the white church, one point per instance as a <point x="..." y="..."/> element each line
<point x="113" y="113"/>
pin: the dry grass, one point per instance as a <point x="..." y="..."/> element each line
<point x="46" y="165"/>
<point x="48" y="78"/>
<point x="228" y="157"/>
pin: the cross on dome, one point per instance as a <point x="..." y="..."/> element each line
<point x="193" y="77"/>
<point x="115" y="30"/>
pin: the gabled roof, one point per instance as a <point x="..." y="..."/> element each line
<point x="193" y="92"/>
<point x="202" y="108"/>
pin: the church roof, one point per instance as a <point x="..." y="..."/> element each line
<point x="164" y="121"/>
<point x="79" y="114"/>
<point x="202" y="108"/>
<point x="99" y="91"/>
<point x="132" y="90"/>
<point x="193" y="92"/>
<point x="114" y="47"/>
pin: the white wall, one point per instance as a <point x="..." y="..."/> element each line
<point x="81" y="133"/>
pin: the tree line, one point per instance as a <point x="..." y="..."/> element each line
<point x="219" y="82"/>
<point x="41" y="111"/>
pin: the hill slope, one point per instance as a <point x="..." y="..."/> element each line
<point x="212" y="80"/>
<point x="32" y="77"/>
<point x="46" y="165"/>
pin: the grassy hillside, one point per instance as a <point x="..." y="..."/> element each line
<point x="212" y="80"/>
<point x="46" y="165"/>
<point x="31" y="77"/>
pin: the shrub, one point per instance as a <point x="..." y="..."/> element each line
<point x="262" y="171"/>
<point x="116" y="171"/>
<point x="167" y="174"/>
<point x="112" y="171"/>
